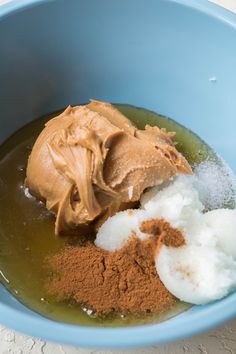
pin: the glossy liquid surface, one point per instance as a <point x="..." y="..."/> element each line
<point x="27" y="228"/>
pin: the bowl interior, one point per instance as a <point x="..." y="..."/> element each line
<point x="177" y="58"/>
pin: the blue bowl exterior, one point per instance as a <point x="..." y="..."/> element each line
<point x="159" y="54"/>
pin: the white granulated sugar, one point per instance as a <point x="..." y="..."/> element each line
<point x="219" y="182"/>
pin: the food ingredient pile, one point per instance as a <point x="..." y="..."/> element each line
<point x="124" y="281"/>
<point x="202" y="270"/>
<point x="91" y="161"/>
<point x="155" y="242"/>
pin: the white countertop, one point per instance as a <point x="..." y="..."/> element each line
<point x="228" y="4"/>
<point x="219" y="341"/>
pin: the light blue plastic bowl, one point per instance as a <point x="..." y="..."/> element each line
<point x="174" y="57"/>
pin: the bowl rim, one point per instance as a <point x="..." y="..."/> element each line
<point x="177" y="328"/>
<point x="13" y="6"/>
<point x="94" y="337"/>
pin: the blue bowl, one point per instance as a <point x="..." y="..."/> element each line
<point x="176" y="57"/>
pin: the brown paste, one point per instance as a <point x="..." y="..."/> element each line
<point x="85" y="161"/>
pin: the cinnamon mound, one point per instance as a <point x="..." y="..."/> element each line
<point x="124" y="281"/>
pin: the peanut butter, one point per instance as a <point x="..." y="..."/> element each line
<point x="90" y="161"/>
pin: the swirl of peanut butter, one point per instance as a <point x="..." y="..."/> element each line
<point x="90" y="161"/>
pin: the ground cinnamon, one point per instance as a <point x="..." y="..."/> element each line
<point x="167" y="235"/>
<point x="124" y="281"/>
